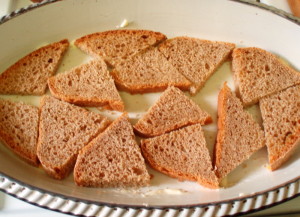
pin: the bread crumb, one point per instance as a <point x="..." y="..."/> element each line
<point x="267" y="166"/>
<point x="123" y="24"/>
<point x="171" y="191"/>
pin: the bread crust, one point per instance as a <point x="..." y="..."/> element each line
<point x="142" y="89"/>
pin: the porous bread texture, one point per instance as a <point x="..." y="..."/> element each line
<point x="112" y="159"/>
<point x="148" y="71"/>
<point x="195" y="58"/>
<point x="115" y="46"/>
<point x="89" y="84"/>
<point x="29" y="75"/>
<point x="63" y="131"/>
<point x="19" y="129"/>
<point x="171" y="111"/>
<point x="281" y="121"/>
<point x="181" y="154"/>
<point x="238" y="137"/>
<point x="258" y="73"/>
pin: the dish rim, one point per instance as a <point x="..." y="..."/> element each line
<point x="276" y="188"/>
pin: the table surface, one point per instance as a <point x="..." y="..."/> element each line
<point x="12" y="207"/>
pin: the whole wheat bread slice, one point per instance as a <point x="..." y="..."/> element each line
<point x="171" y="111"/>
<point x="29" y="75"/>
<point x="63" y="131"/>
<point x="281" y="121"/>
<point x="148" y="71"/>
<point x="195" y="58"/>
<point x="112" y="159"/>
<point x="117" y="45"/>
<point x="181" y="154"/>
<point x="258" y="73"/>
<point x="238" y="137"/>
<point x="19" y="129"/>
<point x="89" y="84"/>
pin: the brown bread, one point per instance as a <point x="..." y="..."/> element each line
<point x="63" y="131"/>
<point x="87" y="85"/>
<point x="29" y="75"/>
<point x="196" y="59"/>
<point x="112" y="159"/>
<point x="19" y="129"/>
<point x="281" y="121"/>
<point x="117" y="45"/>
<point x="171" y="111"/>
<point x="181" y="154"/>
<point x="148" y="71"/>
<point x="258" y="73"/>
<point x="239" y="136"/>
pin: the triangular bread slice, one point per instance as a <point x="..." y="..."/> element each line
<point x="89" y="84"/>
<point x="238" y="137"/>
<point x="19" y="129"/>
<point x="63" y="131"/>
<point x="181" y="154"/>
<point x="195" y="58"/>
<point x="171" y="111"/>
<point x="258" y="73"/>
<point x="29" y="75"/>
<point x="148" y="71"/>
<point x="117" y="45"/>
<point x="281" y="121"/>
<point x="112" y="159"/>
